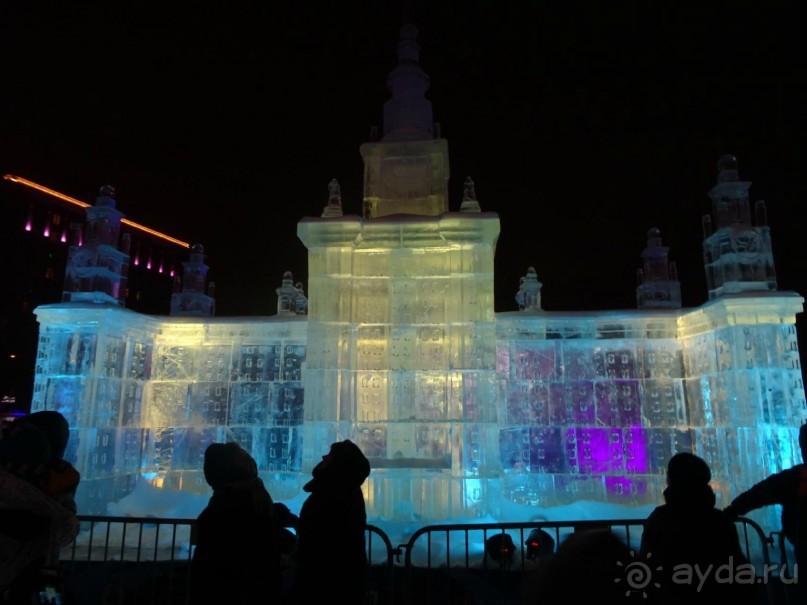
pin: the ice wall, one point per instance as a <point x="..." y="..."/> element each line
<point x="576" y="406"/>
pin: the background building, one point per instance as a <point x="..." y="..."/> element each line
<point x="39" y="225"/>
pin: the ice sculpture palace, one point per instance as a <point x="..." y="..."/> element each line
<point x="396" y="346"/>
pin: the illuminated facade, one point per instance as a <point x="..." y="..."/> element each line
<point x="460" y="410"/>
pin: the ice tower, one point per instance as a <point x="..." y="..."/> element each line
<point x="193" y="296"/>
<point x="658" y="287"/>
<point x="462" y="412"/>
<point x="97" y="268"/>
<point x="401" y="330"/>
<point x="737" y="254"/>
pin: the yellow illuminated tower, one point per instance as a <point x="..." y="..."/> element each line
<point x="401" y="328"/>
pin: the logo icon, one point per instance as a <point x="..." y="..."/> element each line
<point x="638" y="575"/>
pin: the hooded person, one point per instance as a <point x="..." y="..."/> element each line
<point x="237" y="558"/>
<point x="687" y="530"/>
<point x="331" y="529"/>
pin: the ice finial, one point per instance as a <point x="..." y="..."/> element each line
<point x="334" y="207"/>
<point x="107" y="191"/>
<point x="528" y="296"/>
<point x="469" y="193"/>
<point x="408" y="114"/>
<point x="106" y="196"/>
<point x="469" y="203"/>
<point x="727" y="169"/>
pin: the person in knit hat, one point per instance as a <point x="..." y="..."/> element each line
<point x="237" y="558"/>
<point x="331" y="529"/>
<point x="687" y="532"/>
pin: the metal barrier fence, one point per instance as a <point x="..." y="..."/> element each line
<point x="498" y="563"/>
<point x="131" y="560"/>
<point x="146" y="561"/>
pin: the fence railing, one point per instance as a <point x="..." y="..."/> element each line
<point x="147" y="561"/>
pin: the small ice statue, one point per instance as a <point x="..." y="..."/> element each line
<point x="334" y="207"/>
<point x="528" y="296"/>
<point x="469" y="203"/>
<point x="300" y="301"/>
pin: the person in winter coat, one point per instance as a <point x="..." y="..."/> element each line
<point x="237" y="557"/>
<point x="33" y="526"/>
<point x="331" y="530"/>
<point x="787" y="488"/>
<point x="686" y="539"/>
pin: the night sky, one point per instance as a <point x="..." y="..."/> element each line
<point x="582" y="124"/>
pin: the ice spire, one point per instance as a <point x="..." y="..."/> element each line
<point x="738" y="256"/>
<point x="528" y="296"/>
<point x="408" y="114"/>
<point x="97" y="271"/>
<point x="407" y="171"/>
<point x="190" y="299"/>
<point x="658" y="285"/>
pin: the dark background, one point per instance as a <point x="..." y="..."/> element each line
<point x="582" y="124"/>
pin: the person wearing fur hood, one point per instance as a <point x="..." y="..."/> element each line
<point x="331" y="529"/>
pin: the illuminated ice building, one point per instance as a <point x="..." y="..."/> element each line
<point x="395" y="345"/>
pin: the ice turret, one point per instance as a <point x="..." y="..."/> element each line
<point x="658" y="286"/>
<point x="97" y="270"/>
<point x="528" y="296"/>
<point x="407" y="171"/>
<point x="189" y="298"/>
<point x="737" y="255"/>
<point x="291" y="298"/>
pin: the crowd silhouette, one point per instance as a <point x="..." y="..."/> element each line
<point x="251" y="549"/>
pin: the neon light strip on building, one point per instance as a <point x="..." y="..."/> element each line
<point x="79" y="203"/>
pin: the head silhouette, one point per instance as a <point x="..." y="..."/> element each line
<point x="688" y="471"/>
<point x="228" y="463"/>
<point x="344" y="464"/>
<point x="55" y="428"/>
<point x="803" y="441"/>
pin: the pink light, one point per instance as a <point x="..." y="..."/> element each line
<point x="64" y="236"/>
<point x="148" y="265"/>
<point x="46" y="232"/>
<point x="28" y="225"/>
